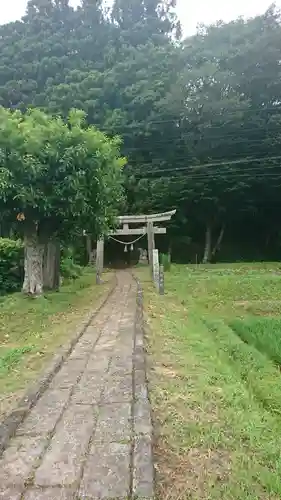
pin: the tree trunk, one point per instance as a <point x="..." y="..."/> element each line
<point x="51" y="265"/>
<point x="218" y="243"/>
<point x="89" y="249"/>
<point x="208" y="245"/>
<point x="33" y="263"/>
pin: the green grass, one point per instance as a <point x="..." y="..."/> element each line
<point x="10" y="357"/>
<point x="31" y="330"/>
<point x="216" y="395"/>
<point x="263" y="333"/>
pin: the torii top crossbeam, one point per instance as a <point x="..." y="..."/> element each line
<point x="136" y="219"/>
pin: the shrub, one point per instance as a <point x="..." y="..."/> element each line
<point x="165" y="260"/>
<point x="68" y="268"/>
<point x="11" y="265"/>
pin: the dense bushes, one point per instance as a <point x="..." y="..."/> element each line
<point x="68" y="268"/>
<point x="11" y="265"/>
<point x="165" y="261"/>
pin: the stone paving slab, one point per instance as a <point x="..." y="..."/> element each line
<point x="50" y="494"/>
<point x="10" y="494"/>
<point x="114" y="424"/>
<point x="89" y="435"/>
<point x="62" y="462"/>
<point x="107" y="472"/>
<point x="81" y="351"/>
<point x="68" y="376"/>
<point x="89" y="390"/>
<point x="18" y="462"/>
<point x="142" y="418"/>
<point x="121" y="370"/>
<point x="99" y="364"/>
<point x="141" y="390"/>
<point x="143" y="467"/>
<point x="121" y="361"/>
<point x="43" y="417"/>
<point x="118" y="389"/>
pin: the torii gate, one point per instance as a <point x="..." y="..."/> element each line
<point x="148" y="228"/>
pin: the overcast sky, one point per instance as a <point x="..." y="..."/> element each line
<point x="191" y="12"/>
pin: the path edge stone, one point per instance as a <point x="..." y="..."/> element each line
<point x="143" y="484"/>
<point x="11" y="422"/>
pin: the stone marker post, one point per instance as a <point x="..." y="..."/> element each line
<point x="155" y="264"/>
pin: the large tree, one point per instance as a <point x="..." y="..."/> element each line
<point x="199" y="118"/>
<point x="218" y="135"/>
<point x="56" y="178"/>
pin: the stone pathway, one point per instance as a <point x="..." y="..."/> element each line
<point x="89" y="435"/>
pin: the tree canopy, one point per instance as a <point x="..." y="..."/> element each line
<point x="58" y="176"/>
<point x="199" y="117"/>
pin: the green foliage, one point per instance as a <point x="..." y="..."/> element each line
<point x="68" y="268"/>
<point x="80" y="255"/>
<point x="261" y="332"/>
<point x="165" y="261"/>
<point x="42" y="326"/>
<point x="9" y="358"/>
<point x="11" y="265"/>
<point x="60" y="175"/>
<point x="213" y="135"/>
<point x="218" y="390"/>
<point x="199" y="120"/>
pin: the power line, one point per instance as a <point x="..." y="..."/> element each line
<point x="245" y="160"/>
<point x="231" y="177"/>
<point x="224" y="164"/>
<point x="154" y="162"/>
<point x="160" y="144"/>
<point x="179" y="182"/>
<point x="234" y="133"/>
<point x="178" y="141"/>
<point x="170" y="161"/>
<point x="176" y="121"/>
<point x="220" y="173"/>
<point x="234" y="177"/>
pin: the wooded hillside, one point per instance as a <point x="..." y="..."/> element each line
<point x="199" y="118"/>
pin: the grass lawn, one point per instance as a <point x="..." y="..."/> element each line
<point x="215" y="381"/>
<point x="31" y="330"/>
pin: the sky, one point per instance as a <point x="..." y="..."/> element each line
<point x="191" y="12"/>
